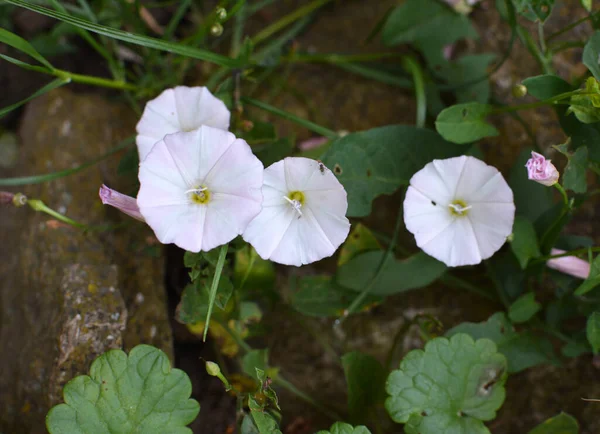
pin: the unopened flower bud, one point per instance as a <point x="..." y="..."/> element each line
<point x="213" y="369"/>
<point x="541" y="170"/>
<point x="221" y="13"/>
<point x="122" y="202"/>
<point x="216" y="29"/>
<point x="519" y="90"/>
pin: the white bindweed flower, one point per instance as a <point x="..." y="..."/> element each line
<point x="460" y="210"/>
<point x="304" y="213"/>
<point x="200" y="189"/>
<point x="179" y="109"/>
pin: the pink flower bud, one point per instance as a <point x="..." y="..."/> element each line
<point x="569" y="264"/>
<point x="122" y="202"/>
<point x="541" y="170"/>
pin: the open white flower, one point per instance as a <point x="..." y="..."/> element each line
<point x="179" y="109"/>
<point x="303" y="218"/>
<point x="200" y="189"/>
<point x="460" y="210"/>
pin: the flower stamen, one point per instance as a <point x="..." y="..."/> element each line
<point x="295" y="204"/>
<point x="459" y="208"/>
<point x="199" y="195"/>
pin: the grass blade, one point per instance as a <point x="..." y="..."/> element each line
<point x="214" y="287"/>
<point x="21" y="44"/>
<point x="145" y="41"/>
<point x="52" y="85"/>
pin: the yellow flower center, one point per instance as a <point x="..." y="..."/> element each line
<point x="458" y="208"/>
<point x="199" y="195"/>
<point x="297" y="196"/>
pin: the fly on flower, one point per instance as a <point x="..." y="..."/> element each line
<point x="179" y="109"/>
<point x="303" y="218"/>
<point x="460" y="210"/>
<point x="200" y="189"/>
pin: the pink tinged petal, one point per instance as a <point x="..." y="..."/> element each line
<point x="179" y="109"/>
<point x="541" y="170"/>
<point x="569" y="264"/>
<point x="437" y="180"/>
<point x="122" y="202"/>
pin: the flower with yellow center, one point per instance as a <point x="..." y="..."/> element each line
<point x="200" y="189"/>
<point x="460" y="210"/>
<point x="303" y="218"/>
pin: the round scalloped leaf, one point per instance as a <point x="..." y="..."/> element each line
<point x="139" y="393"/>
<point x="345" y="428"/>
<point x="451" y="386"/>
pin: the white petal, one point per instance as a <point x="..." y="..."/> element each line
<point x="424" y="219"/>
<point x="280" y="234"/>
<point x="196" y="106"/>
<point x="179" y="109"/>
<point x="492" y="223"/>
<point x="480" y="182"/>
<point x="456" y="245"/>
<point x="437" y="180"/>
<point x="182" y="225"/>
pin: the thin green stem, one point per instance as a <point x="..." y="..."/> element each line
<point x="563" y="194"/>
<point x="412" y="66"/>
<point x="533" y="48"/>
<point x="214" y="287"/>
<point x="316" y="128"/>
<point x="365" y="292"/>
<point x="38" y="205"/>
<point x="38" y="179"/>
<point x="95" y="81"/>
<point x="570" y="26"/>
<point x="499" y="290"/>
<point x="575" y="252"/>
<point x="457" y="282"/>
<point x="542" y="39"/>
<point x="337" y="58"/>
<point x="548" y="101"/>
<point x="287" y="20"/>
<point x="565" y="45"/>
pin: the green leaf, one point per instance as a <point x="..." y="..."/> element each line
<point x="344" y="428"/>
<point x="522" y="350"/>
<point x="453" y="385"/>
<point x="265" y="422"/>
<point x="214" y="287"/>
<point x="360" y="240"/>
<point x="255" y="359"/>
<point x="574" y="177"/>
<point x="592" y="331"/>
<point x="195" y="299"/>
<point x="429" y="25"/>
<point x="591" y="54"/>
<point x="248" y="425"/>
<point x="546" y="86"/>
<point x="378" y="161"/>
<point x="365" y="378"/>
<point x="320" y="296"/>
<point x="465" y="123"/>
<point x="534" y="10"/>
<point x="396" y="276"/>
<point x="21" y="44"/>
<point x="524" y="308"/>
<point x="524" y="243"/>
<point x="466" y="69"/>
<point x="587" y="4"/>
<point x="274" y="151"/>
<point x="251" y="271"/>
<point x="145" y="41"/>
<point x="139" y="393"/>
<point x="560" y="424"/>
<point x="47" y="88"/>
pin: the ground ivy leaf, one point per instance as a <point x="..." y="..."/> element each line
<point x="466" y="69"/>
<point x="522" y="350"/>
<point x="465" y="123"/>
<point x="139" y="393"/>
<point x="593" y="279"/>
<point x="380" y="160"/>
<point x="524" y="308"/>
<point x="365" y="378"/>
<point x="454" y="384"/>
<point x="345" y="428"/>
<point x="396" y="276"/>
<point x="524" y="243"/>
<point x="560" y="424"/>
<point x="546" y="86"/>
<point x="593" y="331"/>
<point x="591" y="54"/>
<point x="574" y="177"/>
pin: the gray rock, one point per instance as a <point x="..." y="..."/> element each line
<point x="67" y="296"/>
